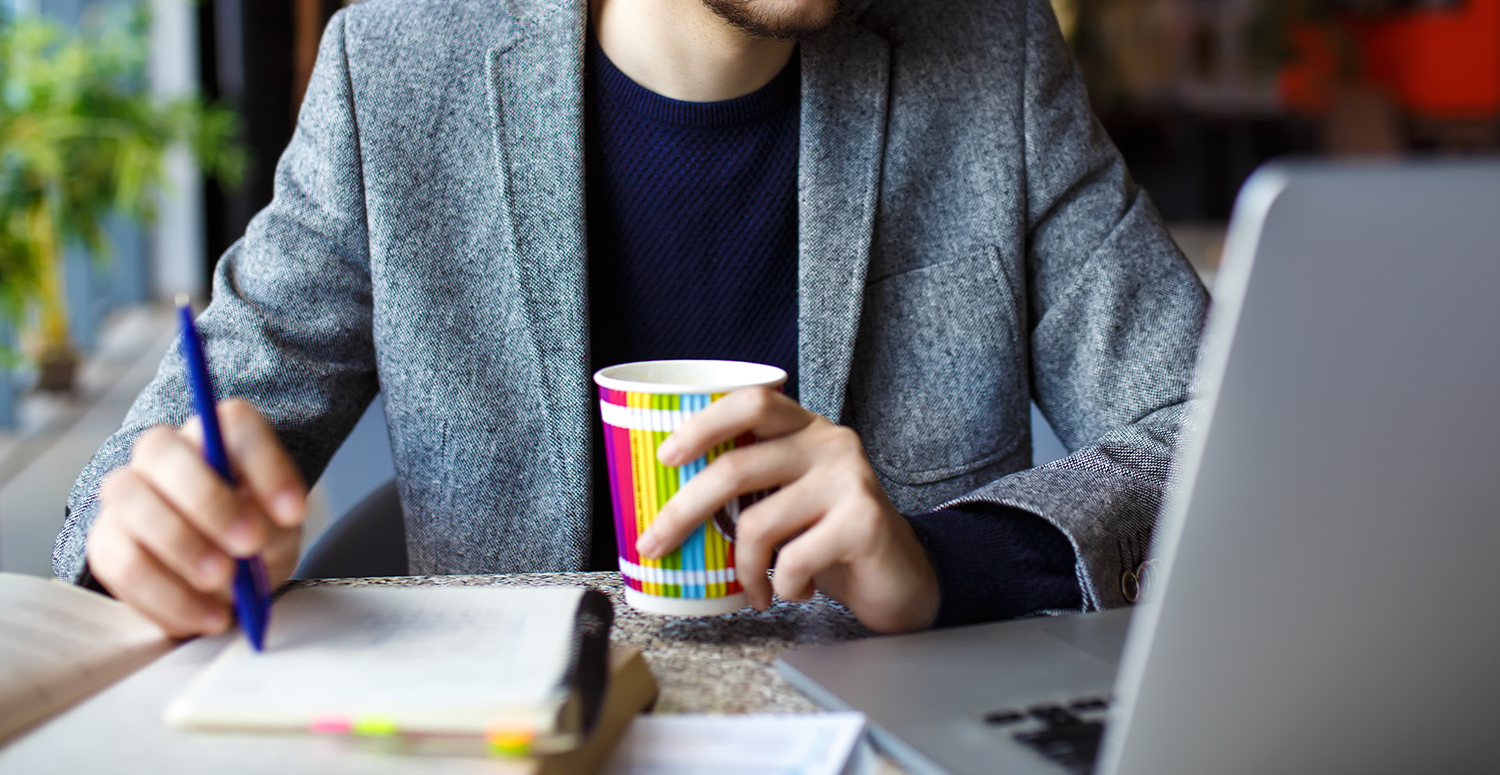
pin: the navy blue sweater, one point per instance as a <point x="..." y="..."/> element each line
<point x="692" y="229"/>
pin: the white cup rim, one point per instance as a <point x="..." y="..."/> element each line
<point x="688" y="377"/>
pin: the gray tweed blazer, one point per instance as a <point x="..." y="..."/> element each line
<point x="969" y="240"/>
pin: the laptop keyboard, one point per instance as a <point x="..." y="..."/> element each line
<point x="1067" y="734"/>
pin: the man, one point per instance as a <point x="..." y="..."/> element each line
<point x="953" y="234"/>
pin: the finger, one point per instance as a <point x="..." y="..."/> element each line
<point x="765" y="528"/>
<point x="167" y="535"/>
<point x="829" y="543"/>
<point x="170" y="464"/>
<point x="261" y="463"/>
<point x="760" y="411"/>
<point x="268" y="471"/>
<point x="748" y="469"/>
<point x="134" y="576"/>
<point x="281" y="554"/>
<point x="868" y="558"/>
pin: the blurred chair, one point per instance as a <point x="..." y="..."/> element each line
<point x="368" y="540"/>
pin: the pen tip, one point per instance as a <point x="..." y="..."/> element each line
<point x="182" y="299"/>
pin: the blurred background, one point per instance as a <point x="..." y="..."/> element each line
<point x="138" y="138"/>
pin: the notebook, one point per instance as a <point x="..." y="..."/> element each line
<point x="60" y="643"/>
<point x="1322" y="600"/>
<point x="521" y="667"/>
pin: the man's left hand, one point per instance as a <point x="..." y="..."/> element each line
<point x="830" y="524"/>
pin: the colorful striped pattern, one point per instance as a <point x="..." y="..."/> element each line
<point x="635" y="424"/>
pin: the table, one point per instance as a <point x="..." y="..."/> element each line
<point x="720" y="664"/>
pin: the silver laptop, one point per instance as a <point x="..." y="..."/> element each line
<point x="1329" y="565"/>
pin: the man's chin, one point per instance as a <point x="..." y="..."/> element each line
<point x="780" y="19"/>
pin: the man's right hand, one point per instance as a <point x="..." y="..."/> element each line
<point x="169" y="527"/>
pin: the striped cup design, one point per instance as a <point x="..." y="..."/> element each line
<point x="635" y="424"/>
<point x="698" y="577"/>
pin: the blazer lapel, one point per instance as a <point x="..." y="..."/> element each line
<point x="845" y="83"/>
<point x="537" y="83"/>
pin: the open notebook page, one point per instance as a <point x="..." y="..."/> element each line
<point x="422" y="659"/>
<point x="60" y="643"/>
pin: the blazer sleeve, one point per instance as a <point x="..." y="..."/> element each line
<point x="290" y="324"/>
<point x="1115" y="313"/>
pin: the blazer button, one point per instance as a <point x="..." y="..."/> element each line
<point x="1135" y="583"/>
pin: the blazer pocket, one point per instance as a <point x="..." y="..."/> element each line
<point x="938" y="385"/>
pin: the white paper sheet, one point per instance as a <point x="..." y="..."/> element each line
<point x="780" y="744"/>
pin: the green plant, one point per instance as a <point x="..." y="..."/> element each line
<point x="81" y="138"/>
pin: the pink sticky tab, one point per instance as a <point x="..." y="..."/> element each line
<point x="332" y="725"/>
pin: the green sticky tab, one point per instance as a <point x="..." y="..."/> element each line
<point x="374" y="726"/>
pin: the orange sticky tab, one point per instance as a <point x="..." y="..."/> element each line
<point x="510" y="742"/>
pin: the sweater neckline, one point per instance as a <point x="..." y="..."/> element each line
<point x="615" y="86"/>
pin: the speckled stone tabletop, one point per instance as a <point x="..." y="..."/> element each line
<point x="718" y="664"/>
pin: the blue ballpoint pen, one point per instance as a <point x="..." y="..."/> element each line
<point x="252" y="595"/>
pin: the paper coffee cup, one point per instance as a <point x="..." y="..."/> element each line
<point x="641" y="405"/>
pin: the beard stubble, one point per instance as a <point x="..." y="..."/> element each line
<point x="809" y="19"/>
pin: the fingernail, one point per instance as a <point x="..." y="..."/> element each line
<point x="667" y="452"/>
<point x="288" y="507"/>
<point x="648" y="546"/>
<point x="245" y="536"/>
<point x="212" y="568"/>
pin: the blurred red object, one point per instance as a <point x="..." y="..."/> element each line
<point x="1434" y="62"/>
<point x="1307" y="85"/>
<point x="1440" y="63"/>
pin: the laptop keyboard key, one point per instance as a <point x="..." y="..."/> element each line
<point x="1003" y="717"/>
<point x="1065" y="739"/>
<point x="1054" y="715"/>
<point x="1074" y="746"/>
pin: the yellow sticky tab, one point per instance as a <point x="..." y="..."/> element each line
<point x="374" y="726"/>
<point x="510" y="742"/>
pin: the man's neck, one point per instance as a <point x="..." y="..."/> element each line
<point x="681" y="49"/>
